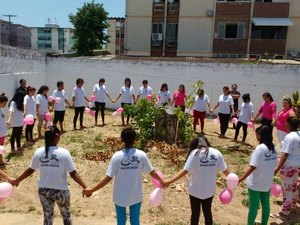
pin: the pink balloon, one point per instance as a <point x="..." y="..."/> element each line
<point x="149" y="96"/>
<point x="156" y="197"/>
<point x="92" y="112"/>
<point x="250" y="125"/>
<point x="115" y="114"/>
<point x="234" y="120"/>
<point x="275" y="190"/>
<point x="1" y="200"/>
<point x="49" y="123"/>
<point x="57" y="100"/>
<point x="120" y="110"/>
<point x="225" y="196"/>
<point x="50" y="98"/>
<point x="87" y="110"/>
<point x="92" y="98"/>
<point x="5" y="190"/>
<point x="28" y="120"/>
<point x="29" y="116"/>
<point x="2" y="149"/>
<point x="155" y="182"/>
<point x="217" y="121"/>
<point x="232" y="181"/>
<point x="48" y="116"/>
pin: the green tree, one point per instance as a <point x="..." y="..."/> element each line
<point x="90" y="23"/>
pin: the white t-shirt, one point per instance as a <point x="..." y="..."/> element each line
<point x="163" y="97"/>
<point x="100" y="93"/>
<point x="291" y="145"/>
<point x="127" y="167"/>
<point x="246" y="111"/>
<point x="203" y="168"/>
<point x="29" y="105"/>
<point x="54" y="169"/>
<point x="42" y="101"/>
<point x="143" y="92"/>
<point x="3" y="127"/>
<point x="264" y="161"/>
<point x="224" y="104"/>
<point x="126" y="93"/>
<point x="17" y="115"/>
<point x="200" y="103"/>
<point x="79" y="94"/>
<point x="62" y="95"/>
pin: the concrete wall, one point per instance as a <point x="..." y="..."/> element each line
<point x="15" y="64"/>
<point x="111" y="31"/>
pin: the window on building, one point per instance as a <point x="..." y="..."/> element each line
<point x="231" y="30"/>
<point x="157" y="34"/>
<point x="157" y="28"/>
<point x="171" y="34"/>
<point x="266" y="32"/>
<point x="234" y="0"/>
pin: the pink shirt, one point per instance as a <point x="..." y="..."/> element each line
<point x="283" y="115"/>
<point x="179" y="98"/>
<point x="268" y="110"/>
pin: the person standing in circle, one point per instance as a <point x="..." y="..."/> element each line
<point x="100" y="92"/>
<point x="199" y="109"/>
<point x="268" y="111"/>
<point x="260" y="175"/>
<point x="78" y="102"/>
<point x="59" y="104"/>
<point x="128" y="97"/>
<point x="54" y="163"/>
<point x="127" y="167"/>
<point x="235" y="95"/>
<point x="179" y="98"/>
<point x="144" y="91"/>
<point x="42" y="107"/>
<point x="3" y="127"/>
<point x="225" y="105"/>
<point x="286" y="112"/>
<point x="30" y="109"/>
<point x="164" y="95"/>
<point x="203" y="164"/>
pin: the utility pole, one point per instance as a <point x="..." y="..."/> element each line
<point x="9" y="21"/>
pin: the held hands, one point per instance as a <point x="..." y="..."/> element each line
<point x="87" y="192"/>
<point x="13" y="181"/>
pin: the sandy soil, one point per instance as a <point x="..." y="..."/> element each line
<point x="23" y="207"/>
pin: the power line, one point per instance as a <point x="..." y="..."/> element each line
<point x="9" y="25"/>
<point x="9" y="17"/>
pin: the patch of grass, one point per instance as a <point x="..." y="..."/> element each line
<point x="245" y="202"/>
<point x="31" y="208"/>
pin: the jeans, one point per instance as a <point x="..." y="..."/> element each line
<point x="237" y="130"/>
<point x="224" y="121"/>
<point x="78" y="110"/>
<point x="99" y="106"/>
<point x="16" y="136"/>
<point x="134" y="214"/>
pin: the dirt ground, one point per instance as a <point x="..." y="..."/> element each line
<point x="23" y="207"/>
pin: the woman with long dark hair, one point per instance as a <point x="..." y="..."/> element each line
<point x="260" y="175"/>
<point x="53" y="163"/>
<point x="42" y="107"/>
<point x="267" y="111"/>
<point x="203" y="163"/>
<point x="128" y="97"/>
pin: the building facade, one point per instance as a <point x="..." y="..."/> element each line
<point x="52" y="39"/>
<point x="15" y="35"/>
<point x="116" y="35"/>
<point x="218" y="28"/>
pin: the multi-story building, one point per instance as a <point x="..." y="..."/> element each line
<point x="14" y="35"/>
<point x="116" y="35"/>
<point x="220" y="28"/>
<point x="52" y="38"/>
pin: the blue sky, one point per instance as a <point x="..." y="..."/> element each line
<point x="35" y="13"/>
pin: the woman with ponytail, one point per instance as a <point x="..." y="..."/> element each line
<point x="54" y="163"/>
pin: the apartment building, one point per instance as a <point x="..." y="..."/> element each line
<point x="52" y="39"/>
<point x="15" y="35"/>
<point x="219" y="28"/>
<point x="116" y="33"/>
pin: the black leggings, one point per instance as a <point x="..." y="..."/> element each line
<point x="99" y="106"/>
<point x="224" y="121"/>
<point x="16" y="136"/>
<point x="237" y="130"/>
<point x="267" y="123"/>
<point x="206" y="209"/>
<point x="78" y="110"/>
<point x="29" y="132"/>
<point x="128" y="116"/>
